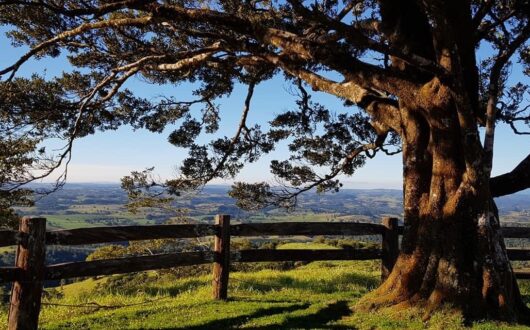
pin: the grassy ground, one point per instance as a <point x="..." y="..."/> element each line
<point x="319" y="295"/>
<point x="295" y="217"/>
<point x="82" y="220"/>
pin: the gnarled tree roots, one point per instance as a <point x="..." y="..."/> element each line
<point x="432" y="283"/>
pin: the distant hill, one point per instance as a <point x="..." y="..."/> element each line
<point x="103" y="203"/>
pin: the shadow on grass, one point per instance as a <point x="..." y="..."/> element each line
<point x="321" y="286"/>
<point x="267" y="284"/>
<point x="526" y="299"/>
<point x="524" y="287"/>
<point x="237" y="321"/>
<point x="176" y="289"/>
<point x="264" y="300"/>
<point x="319" y="320"/>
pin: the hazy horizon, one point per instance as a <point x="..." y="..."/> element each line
<point x="367" y="186"/>
<point x="347" y="185"/>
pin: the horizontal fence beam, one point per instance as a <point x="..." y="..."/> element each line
<point x="306" y="229"/>
<point x="10" y="237"/>
<point x="518" y="254"/>
<point x="161" y="261"/>
<point x="97" y="235"/>
<point x="127" y="265"/>
<point x="516" y="232"/>
<point x="522" y="275"/>
<point x="304" y="255"/>
<point x="507" y="232"/>
<point x="9" y="274"/>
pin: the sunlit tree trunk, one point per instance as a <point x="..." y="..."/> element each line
<point x="452" y="249"/>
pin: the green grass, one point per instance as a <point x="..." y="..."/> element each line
<point x="295" y="217"/>
<point x="7" y="249"/>
<point x="319" y="295"/>
<point x="72" y="221"/>
<point x="69" y="221"/>
<point x="305" y="245"/>
<point x="96" y="208"/>
<point x="89" y="215"/>
<point x="264" y="300"/>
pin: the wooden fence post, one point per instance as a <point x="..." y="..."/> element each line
<point x="27" y="289"/>
<point x="221" y="266"/>
<point x="390" y="246"/>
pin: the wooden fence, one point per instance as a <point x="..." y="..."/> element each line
<point x="30" y="270"/>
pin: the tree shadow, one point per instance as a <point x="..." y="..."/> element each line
<point x="324" y="286"/>
<point x="270" y="301"/>
<point x="524" y="288"/>
<point x="175" y="289"/>
<point x="237" y="321"/>
<point x="268" y="284"/>
<point x="526" y="299"/>
<point x="319" y="320"/>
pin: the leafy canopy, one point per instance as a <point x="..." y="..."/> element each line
<point x="364" y="52"/>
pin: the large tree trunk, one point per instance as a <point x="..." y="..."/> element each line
<point x="452" y="249"/>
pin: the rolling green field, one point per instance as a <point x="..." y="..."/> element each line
<point x="318" y="295"/>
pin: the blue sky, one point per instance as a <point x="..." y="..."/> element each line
<point x="107" y="156"/>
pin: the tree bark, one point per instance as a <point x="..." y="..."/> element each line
<point x="516" y="180"/>
<point x="452" y="252"/>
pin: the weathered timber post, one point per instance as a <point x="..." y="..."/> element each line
<point x="27" y="289"/>
<point x="221" y="266"/>
<point x="390" y="246"/>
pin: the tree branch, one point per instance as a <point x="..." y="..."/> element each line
<point x="482" y="11"/>
<point x="242" y="126"/>
<point x="96" y="11"/>
<point x="383" y="110"/>
<point x="360" y="40"/>
<point x="494" y="90"/>
<point x="287" y="196"/>
<point x="483" y="29"/>
<point x="74" y="32"/>
<point x="509" y="183"/>
<point x="184" y="63"/>
<point x="332" y="55"/>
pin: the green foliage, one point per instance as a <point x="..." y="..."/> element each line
<point x="347" y="243"/>
<point x="8" y="217"/>
<point x="117" y="42"/>
<point x="215" y="45"/>
<point x="252" y="196"/>
<point x="108" y="252"/>
<point x="143" y="191"/>
<point x="16" y="159"/>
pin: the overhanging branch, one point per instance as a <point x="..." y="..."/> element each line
<point x="509" y="183"/>
<point x="43" y="46"/>
<point x="495" y="87"/>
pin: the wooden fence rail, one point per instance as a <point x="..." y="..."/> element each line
<point x="127" y="265"/>
<point x="30" y="270"/>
